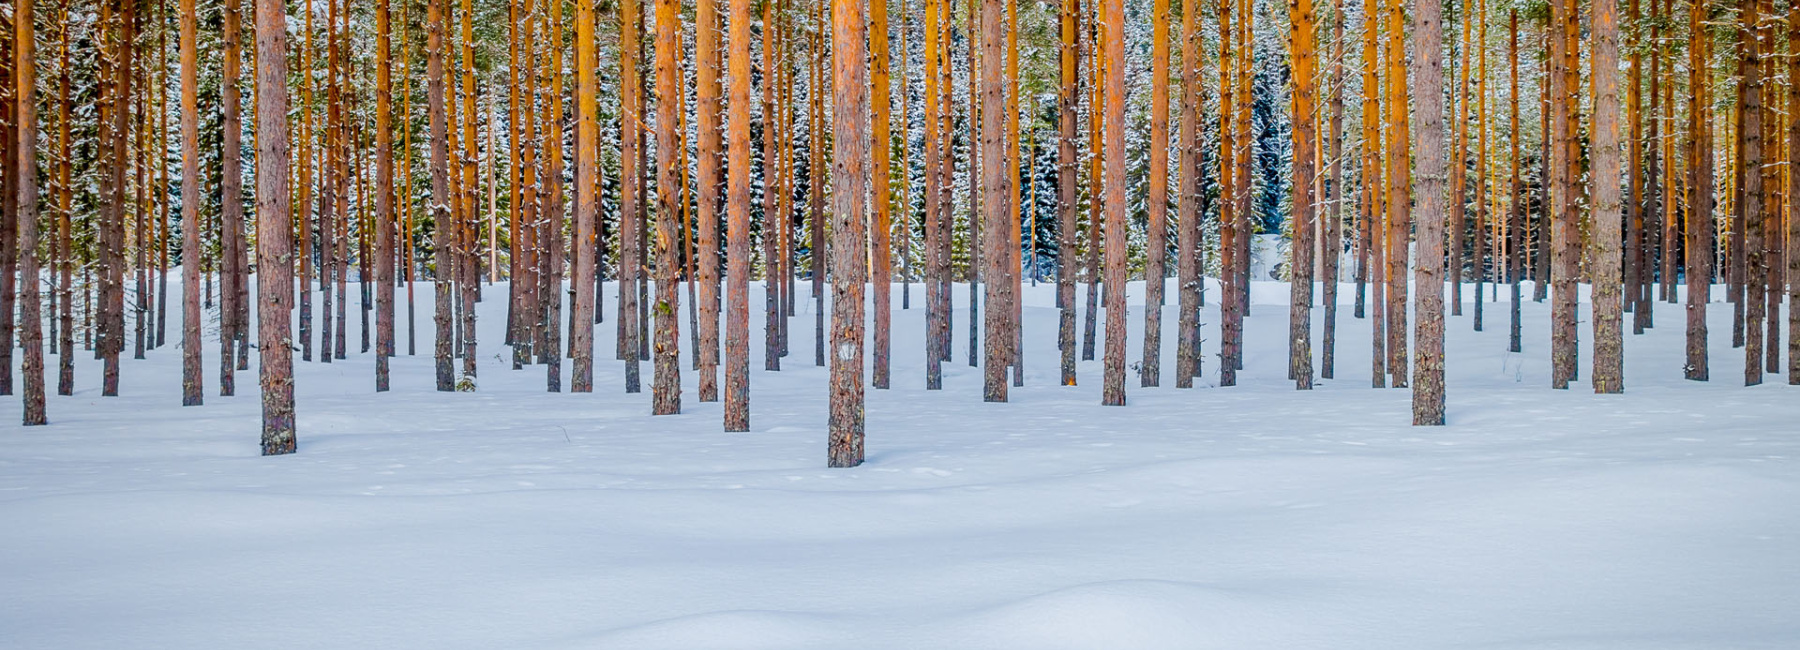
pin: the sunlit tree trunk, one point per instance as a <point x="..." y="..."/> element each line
<point x="665" y="398"/>
<point x="850" y="179"/>
<point x="706" y="239"/>
<point x="1399" y="201"/>
<point x="737" y="216"/>
<point x="1112" y="44"/>
<point x="1304" y="206"/>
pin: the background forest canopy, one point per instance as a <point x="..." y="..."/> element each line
<point x="1038" y="47"/>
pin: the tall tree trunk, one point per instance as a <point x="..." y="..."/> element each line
<point x="9" y="191"/>
<point x="1333" y="240"/>
<point x="880" y="136"/>
<point x="31" y="325"/>
<point x="231" y="205"/>
<point x="1637" y="248"/>
<point x="587" y="204"/>
<point x="1067" y="164"/>
<point x="1300" y="273"/>
<point x="1157" y="223"/>
<point x="850" y="179"/>
<point x="631" y="109"/>
<point x="936" y="329"/>
<point x="1603" y="245"/>
<point x="1228" y="181"/>
<point x="815" y="217"/>
<point x="774" y="203"/>
<point x="1751" y="135"/>
<point x="384" y="196"/>
<point x="665" y="398"/>
<point x="1562" y="209"/>
<point x="1112" y="41"/>
<point x="706" y="276"/>
<point x="1515" y="265"/>
<point x="995" y="200"/>
<point x="65" y="261"/>
<point x="551" y="255"/>
<point x="1096" y="120"/>
<point x="1793" y="197"/>
<point x="1399" y="178"/>
<point x="274" y="246"/>
<point x="1188" y="273"/>
<point x="1428" y="132"/>
<point x="192" y="389"/>
<point x="436" y="24"/>
<point x="305" y="221"/>
<point x="737" y="215"/>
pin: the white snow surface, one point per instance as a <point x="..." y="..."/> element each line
<point x="1245" y="517"/>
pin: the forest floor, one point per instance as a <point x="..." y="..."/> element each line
<point x="1244" y="517"/>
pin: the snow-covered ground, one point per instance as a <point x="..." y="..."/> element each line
<point x="1244" y="517"/>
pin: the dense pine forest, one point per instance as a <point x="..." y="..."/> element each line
<point x="317" y="179"/>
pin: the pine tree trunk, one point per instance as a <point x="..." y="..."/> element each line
<point x="936" y="334"/>
<point x="1304" y="207"/>
<point x="9" y="195"/>
<point x="881" y="257"/>
<point x="274" y="245"/>
<point x="1515" y="266"/>
<point x="631" y="109"/>
<point x="587" y="204"/>
<point x="1793" y="197"/>
<point x="550" y="353"/>
<point x="191" y="377"/>
<point x="1752" y="137"/>
<point x="737" y="215"/>
<point x="665" y="390"/>
<point x="1157" y="239"/>
<point x="774" y="202"/>
<point x="1428" y="132"/>
<point x="994" y="199"/>
<point x="65" y="261"/>
<point x="1603" y="243"/>
<point x="1333" y="240"/>
<point x="706" y="261"/>
<point x="1562" y="209"/>
<point x="1228" y="181"/>
<point x="1112" y="41"/>
<point x="231" y="202"/>
<point x="850" y="179"/>
<point x="1399" y="178"/>
<point x="435" y="74"/>
<point x="31" y="325"/>
<point x="1188" y="192"/>
<point x="384" y="196"/>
